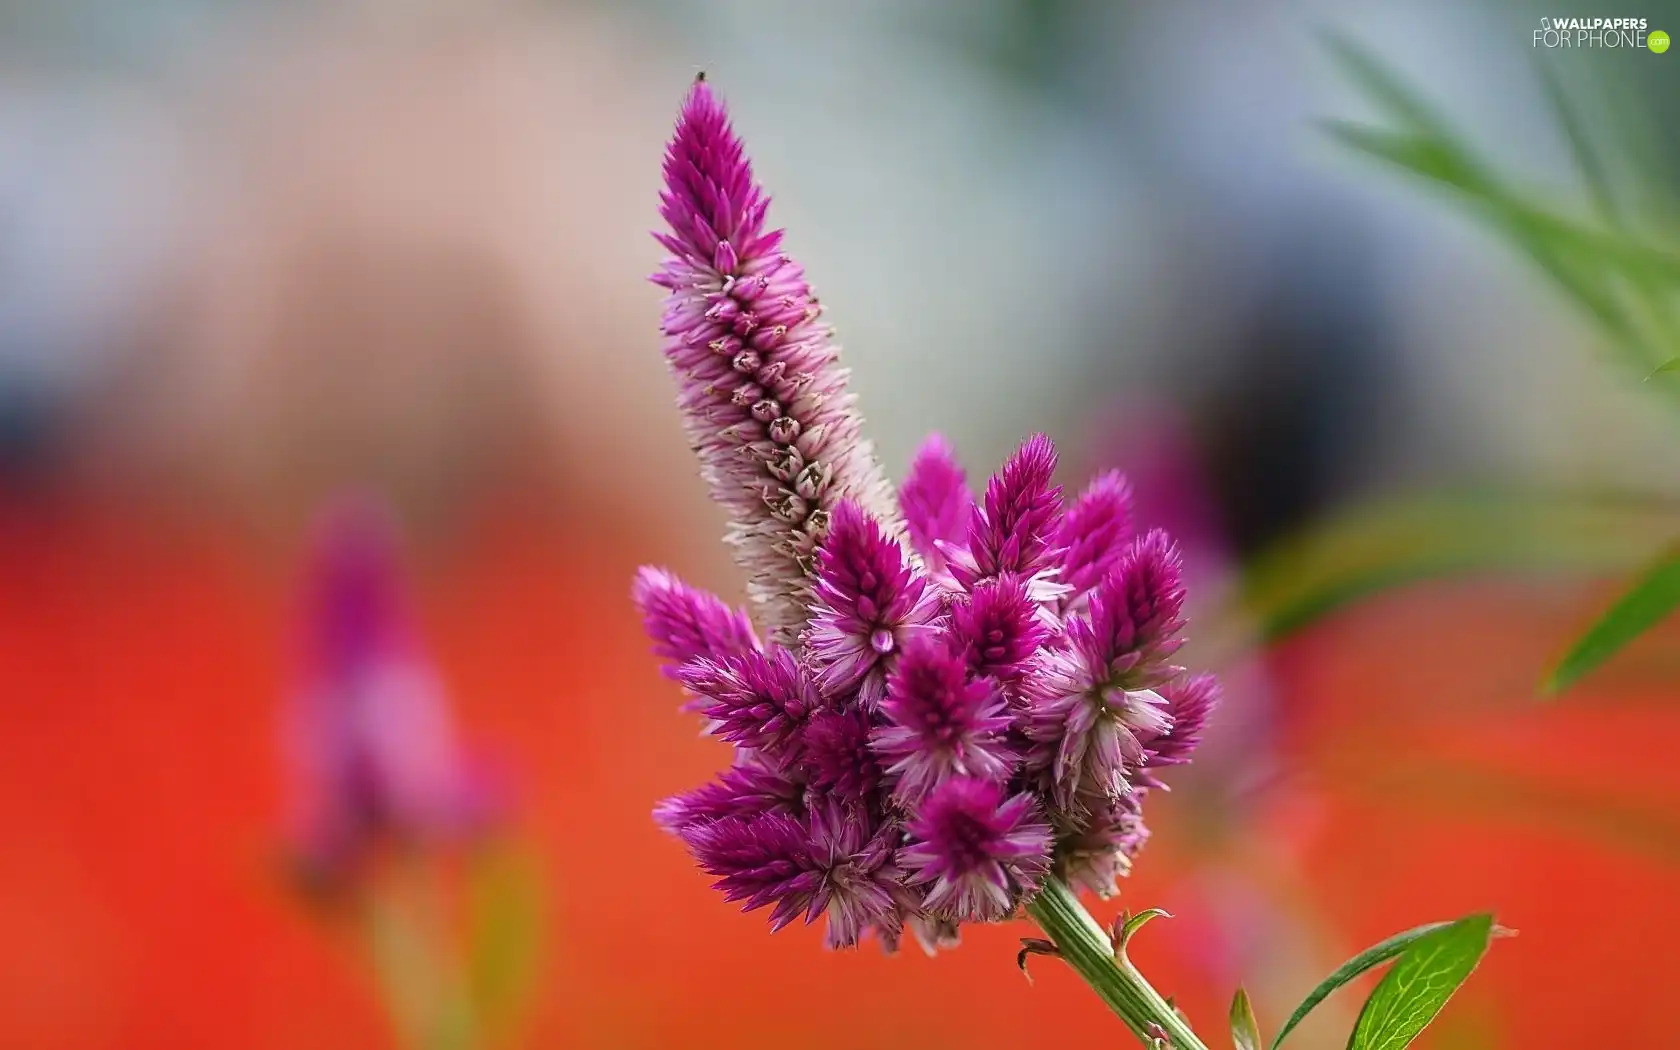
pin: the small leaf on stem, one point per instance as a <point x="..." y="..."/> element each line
<point x="1245" y="1031"/>
<point x="1126" y="925"/>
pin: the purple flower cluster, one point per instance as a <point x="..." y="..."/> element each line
<point x="957" y="699"/>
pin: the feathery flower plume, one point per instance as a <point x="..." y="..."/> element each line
<point x="1191" y="700"/>
<point x="934" y="730"/>
<point x="869" y="604"/>
<point x="1093" y="535"/>
<point x="760" y="384"/>
<point x="1000" y="627"/>
<point x="979" y="851"/>
<point x="756" y="700"/>
<point x="838" y="759"/>
<point x="829" y="864"/>
<point x="746" y="790"/>
<point x="373" y="749"/>
<point x="940" y="723"/>
<point x="1014" y="531"/>
<point x="1094" y="849"/>
<point x="936" y="501"/>
<point x="685" y="622"/>
<point x="1092" y="703"/>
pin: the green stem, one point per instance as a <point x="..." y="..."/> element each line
<point x="1086" y="947"/>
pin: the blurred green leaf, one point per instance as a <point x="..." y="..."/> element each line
<point x="1368" y="959"/>
<point x="1414" y="991"/>
<point x="1642" y="607"/>
<point x="1381" y="85"/>
<point x="1396" y="541"/>
<point x="504" y="917"/>
<point x="1587" y="159"/>
<point x="1245" y="1031"/>
<point x="1623" y="282"/>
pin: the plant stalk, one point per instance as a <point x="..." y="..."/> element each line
<point x="1085" y="947"/>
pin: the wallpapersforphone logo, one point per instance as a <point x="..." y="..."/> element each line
<point x="1630" y="33"/>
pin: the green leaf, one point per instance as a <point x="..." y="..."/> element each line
<point x="1382" y="85"/>
<point x="1653" y="597"/>
<point x="1587" y="159"/>
<point x="1395" y="541"/>
<point x="1130" y="924"/>
<point x="504" y="915"/>
<point x="1414" y="991"/>
<point x="1671" y="365"/>
<point x="1371" y="957"/>
<point x="1245" y="1031"/>
<point x="1622" y="282"/>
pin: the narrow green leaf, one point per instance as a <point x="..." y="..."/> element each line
<point x="1652" y="598"/>
<point x="1394" y="541"/>
<point x="1587" y="159"/>
<point x="1129" y="925"/>
<point x="1414" y="991"/>
<point x="1382" y="85"/>
<point x="1245" y="1031"/>
<point x="1371" y="957"/>
<point x="1671" y="365"/>
<point x="1621" y="281"/>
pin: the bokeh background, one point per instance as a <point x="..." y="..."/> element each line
<point x="252" y="254"/>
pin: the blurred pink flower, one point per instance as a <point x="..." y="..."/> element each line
<point x="373" y="751"/>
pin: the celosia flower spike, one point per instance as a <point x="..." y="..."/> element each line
<point x="1093" y="536"/>
<point x="1191" y="700"/>
<point x="936" y="501"/>
<point x="1092" y="703"/>
<point x="761" y="389"/>
<point x="870" y="603"/>
<point x="933" y="724"/>
<point x="831" y="863"/>
<point x="1095" y="849"/>
<point x="686" y="622"/>
<point x="1138" y="610"/>
<point x="837" y="758"/>
<point x="978" y="851"/>
<point x="999" y="627"/>
<point x="939" y="723"/>
<point x="756" y="700"/>
<point x="744" y="791"/>
<point x="1016" y="528"/>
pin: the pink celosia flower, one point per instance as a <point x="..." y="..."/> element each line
<point x="685" y="622"/>
<point x="1095" y="846"/>
<point x="936" y="501"/>
<point x="941" y="722"/>
<point x="1094" y="532"/>
<point x="759" y="379"/>
<point x="1016" y="529"/>
<point x="978" y="850"/>
<point x="755" y="699"/>
<point x="935" y="729"/>
<point x="746" y="790"/>
<point x="869" y="604"/>
<point x="1000" y="627"/>
<point x="1093" y="701"/>
<point x="831" y="863"/>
